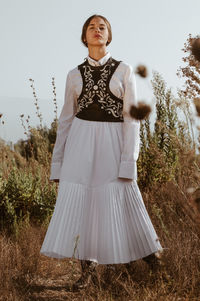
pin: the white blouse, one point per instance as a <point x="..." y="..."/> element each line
<point x="123" y="85"/>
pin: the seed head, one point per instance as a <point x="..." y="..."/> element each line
<point x="141" y="70"/>
<point x="141" y="111"/>
<point x="195" y="49"/>
<point x="196" y="101"/>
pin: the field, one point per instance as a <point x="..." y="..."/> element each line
<point x="27" y="275"/>
<point x="168" y="177"/>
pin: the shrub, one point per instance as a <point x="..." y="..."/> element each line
<point x="159" y="159"/>
<point x="24" y="197"/>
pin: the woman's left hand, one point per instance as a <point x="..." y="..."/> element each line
<point x="125" y="179"/>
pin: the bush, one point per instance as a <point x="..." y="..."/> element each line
<point x="161" y="149"/>
<point x="23" y="196"/>
<point x="39" y="144"/>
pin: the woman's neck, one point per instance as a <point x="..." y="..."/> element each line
<point x="96" y="53"/>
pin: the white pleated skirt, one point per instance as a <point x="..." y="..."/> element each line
<point x="98" y="216"/>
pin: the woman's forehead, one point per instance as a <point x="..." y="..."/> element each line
<point x="97" y="20"/>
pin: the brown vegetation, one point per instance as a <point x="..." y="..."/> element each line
<point x="27" y="275"/>
<point x="168" y="176"/>
<point x="173" y="208"/>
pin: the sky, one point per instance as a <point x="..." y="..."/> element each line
<point x="40" y="39"/>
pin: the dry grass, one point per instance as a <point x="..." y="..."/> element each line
<point x="27" y="275"/>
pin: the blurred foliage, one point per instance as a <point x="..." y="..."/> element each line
<point x="162" y="148"/>
<point x="191" y="71"/>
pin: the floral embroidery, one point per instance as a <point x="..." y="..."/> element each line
<point x="96" y="88"/>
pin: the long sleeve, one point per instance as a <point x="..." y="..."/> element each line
<point x="131" y="130"/>
<point x="64" y="124"/>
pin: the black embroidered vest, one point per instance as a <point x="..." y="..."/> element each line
<point x="96" y="102"/>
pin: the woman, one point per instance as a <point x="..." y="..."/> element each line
<point x="99" y="216"/>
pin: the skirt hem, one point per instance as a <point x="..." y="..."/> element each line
<point x="107" y="224"/>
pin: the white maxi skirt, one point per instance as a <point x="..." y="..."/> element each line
<point x="98" y="216"/>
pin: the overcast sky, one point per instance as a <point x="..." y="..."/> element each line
<point x="40" y="39"/>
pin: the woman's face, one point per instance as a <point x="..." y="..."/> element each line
<point x="97" y="32"/>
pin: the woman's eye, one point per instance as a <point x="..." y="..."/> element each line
<point x="99" y="27"/>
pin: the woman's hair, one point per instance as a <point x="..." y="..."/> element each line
<point x="85" y="26"/>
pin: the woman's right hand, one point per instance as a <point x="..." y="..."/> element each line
<point x="56" y="180"/>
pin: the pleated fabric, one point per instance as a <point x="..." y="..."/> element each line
<point x="98" y="216"/>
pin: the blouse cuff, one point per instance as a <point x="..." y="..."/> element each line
<point x="55" y="170"/>
<point x="128" y="170"/>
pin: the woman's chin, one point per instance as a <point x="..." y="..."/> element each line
<point x="97" y="43"/>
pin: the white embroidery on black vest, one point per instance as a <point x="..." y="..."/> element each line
<point x="96" y="90"/>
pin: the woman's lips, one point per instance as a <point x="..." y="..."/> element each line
<point x="97" y="36"/>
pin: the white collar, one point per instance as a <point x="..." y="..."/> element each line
<point x="100" y="62"/>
